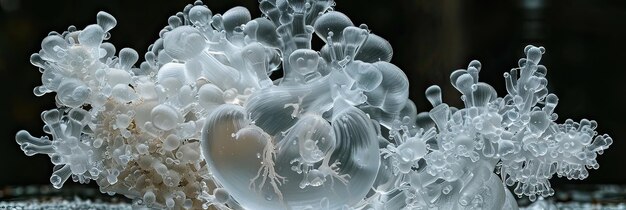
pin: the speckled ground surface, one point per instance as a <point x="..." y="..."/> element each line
<point x="46" y="197"/>
<point x="573" y="197"/>
<point x="62" y="204"/>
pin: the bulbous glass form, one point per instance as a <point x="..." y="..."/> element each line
<point x="200" y="123"/>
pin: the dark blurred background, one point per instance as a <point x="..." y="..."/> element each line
<point x="584" y="39"/>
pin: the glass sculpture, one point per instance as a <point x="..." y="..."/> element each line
<point x="200" y="123"/>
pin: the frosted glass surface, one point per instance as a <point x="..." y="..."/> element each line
<point x="200" y="123"/>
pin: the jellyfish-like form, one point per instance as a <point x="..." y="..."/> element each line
<point x="200" y="122"/>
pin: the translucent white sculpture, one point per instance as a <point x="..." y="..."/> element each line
<point x="200" y="123"/>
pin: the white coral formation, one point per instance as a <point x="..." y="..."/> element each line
<point x="200" y="123"/>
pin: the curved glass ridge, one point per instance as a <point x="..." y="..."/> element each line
<point x="200" y="123"/>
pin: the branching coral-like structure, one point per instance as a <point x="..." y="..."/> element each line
<point x="200" y="123"/>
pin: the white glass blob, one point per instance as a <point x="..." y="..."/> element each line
<point x="200" y="123"/>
